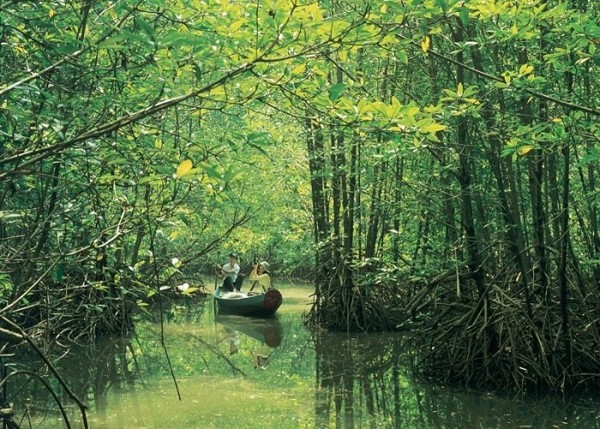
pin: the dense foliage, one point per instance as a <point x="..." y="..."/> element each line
<point x="441" y="154"/>
<point x="468" y="177"/>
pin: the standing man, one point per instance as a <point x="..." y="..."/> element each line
<point x="228" y="272"/>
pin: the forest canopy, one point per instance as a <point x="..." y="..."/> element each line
<point x="430" y="164"/>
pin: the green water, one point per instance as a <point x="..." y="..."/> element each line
<point x="308" y="381"/>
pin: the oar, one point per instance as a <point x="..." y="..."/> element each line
<point x="214" y="300"/>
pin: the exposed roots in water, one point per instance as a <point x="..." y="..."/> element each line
<point x="356" y="309"/>
<point x="504" y="338"/>
<point x="497" y="342"/>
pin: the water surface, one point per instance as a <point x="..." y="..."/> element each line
<point x="198" y="371"/>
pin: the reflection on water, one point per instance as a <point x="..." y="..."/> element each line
<point x="267" y="332"/>
<point x="358" y="380"/>
<point x="247" y="373"/>
<point x="365" y="381"/>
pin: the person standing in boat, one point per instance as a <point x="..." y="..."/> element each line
<point x="228" y="272"/>
<point x="260" y="275"/>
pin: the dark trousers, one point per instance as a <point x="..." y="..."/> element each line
<point x="227" y="284"/>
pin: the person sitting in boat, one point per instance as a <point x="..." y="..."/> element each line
<point x="260" y="275"/>
<point x="228" y="272"/>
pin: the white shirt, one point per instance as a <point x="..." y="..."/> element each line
<point x="231" y="270"/>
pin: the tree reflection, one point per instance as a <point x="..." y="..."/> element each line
<point x="366" y="381"/>
<point x="362" y="381"/>
<point x="89" y="370"/>
<point x="358" y="380"/>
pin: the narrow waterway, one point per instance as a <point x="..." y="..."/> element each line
<point x="199" y="371"/>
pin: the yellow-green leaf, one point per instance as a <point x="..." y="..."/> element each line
<point x="460" y="90"/>
<point x="434" y="128"/>
<point x="183" y="169"/>
<point x="425" y="44"/>
<point x="299" y="69"/>
<point x="236" y="25"/>
<point x="525" y="69"/>
<point x="523" y="150"/>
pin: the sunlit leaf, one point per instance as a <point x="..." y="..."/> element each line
<point x="425" y="44"/>
<point x="433" y="128"/>
<point x="525" y="69"/>
<point x="189" y="291"/>
<point x="523" y="150"/>
<point x="233" y="27"/>
<point x="183" y="169"/>
<point x="299" y="69"/>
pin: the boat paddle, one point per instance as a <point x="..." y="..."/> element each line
<point x="216" y="276"/>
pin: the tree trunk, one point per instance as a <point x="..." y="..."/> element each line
<point x="316" y="163"/>
<point x="465" y="180"/>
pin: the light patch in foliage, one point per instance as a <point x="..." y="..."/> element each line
<point x="183" y="169"/>
<point x="433" y="128"/>
<point x="299" y="69"/>
<point x="311" y="12"/>
<point x="425" y="44"/>
<point x="524" y="150"/>
<point x="525" y="69"/>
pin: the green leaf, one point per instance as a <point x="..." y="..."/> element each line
<point x="463" y="13"/>
<point x="115" y="42"/>
<point x="145" y="27"/>
<point x="336" y="90"/>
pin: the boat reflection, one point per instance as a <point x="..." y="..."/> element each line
<point x="267" y="332"/>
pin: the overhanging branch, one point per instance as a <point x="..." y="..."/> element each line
<point x="488" y="76"/>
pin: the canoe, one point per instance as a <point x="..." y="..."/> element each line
<point x="243" y="304"/>
<point x="267" y="331"/>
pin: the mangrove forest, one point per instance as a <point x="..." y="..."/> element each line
<point x="430" y="166"/>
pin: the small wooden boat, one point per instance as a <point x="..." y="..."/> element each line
<point x="267" y="331"/>
<point x="247" y="304"/>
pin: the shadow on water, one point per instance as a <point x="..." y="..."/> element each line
<point x="231" y="371"/>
